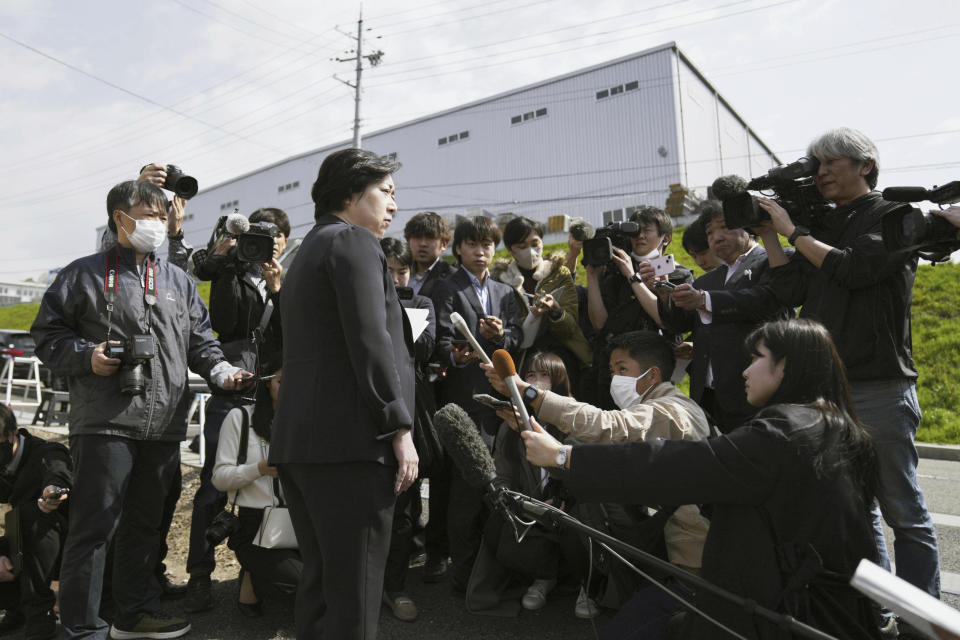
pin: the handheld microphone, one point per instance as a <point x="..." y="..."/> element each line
<point x="726" y="187"/>
<point x="237" y="224"/>
<point x="461" y="326"/>
<point x="461" y="440"/>
<point x="503" y="363"/>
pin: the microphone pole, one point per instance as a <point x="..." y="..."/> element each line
<point x="551" y="516"/>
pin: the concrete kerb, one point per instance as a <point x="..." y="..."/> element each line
<point x="939" y="451"/>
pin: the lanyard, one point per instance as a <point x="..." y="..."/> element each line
<point x="111" y="286"/>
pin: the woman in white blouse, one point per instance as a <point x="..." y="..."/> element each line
<point x="253" y="485"/>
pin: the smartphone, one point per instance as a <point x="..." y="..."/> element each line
<point x="663" y="265"/>
<point x="54" y="495"/>
<point x="662" y="286"/>
<point x="460" y="343"/>
<point x="490" y="401"/>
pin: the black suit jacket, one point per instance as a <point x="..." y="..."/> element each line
<point x="456" y="293"/>
<point x="739" y="306"/>
<point x="440" y="272"/>
<point x="348" y="380"/>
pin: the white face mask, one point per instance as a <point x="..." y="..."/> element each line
<point x="529" y="258"/>
<point x="147" y="235"/>
<point x="623" y="390"/>
<point x="650" y="256"/>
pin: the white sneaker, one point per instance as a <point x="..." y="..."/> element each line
<point x="585" y="608"/>
<point x="536" y="595"/>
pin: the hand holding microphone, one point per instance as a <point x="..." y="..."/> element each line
<point x="507" y="372"/>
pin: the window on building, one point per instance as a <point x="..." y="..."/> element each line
<point x="528" y="116"/>
<point x="442" y="141"/>
<point x="632" y="86"/>
<point x="541" y="112"/>
<point x="603" y="94"/>
<point x="464" y="135"/>
<point x="615" y="90"/>
<point x="516" y="119"/>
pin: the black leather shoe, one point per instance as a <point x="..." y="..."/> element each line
<point x="251" y="610"/>
<point x="42" y="626"/>
<point x="198" y="597"/>
<point x="11" y="621"/>
<point x="171" y="590"/>
<point x="434" y="570"/>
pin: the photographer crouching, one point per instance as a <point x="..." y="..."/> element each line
<point x="124" y="326"/>
<point x="242" y="264"/>
<point x="845" y="278"/>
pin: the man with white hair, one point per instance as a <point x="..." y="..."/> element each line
<point x="845" y="278"/>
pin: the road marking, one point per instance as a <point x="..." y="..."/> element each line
<point x="945" y="520"/>
<point x="950" y="582"/>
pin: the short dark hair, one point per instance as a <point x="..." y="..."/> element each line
<point x="397" y="249"/>
<point x="344" y="174"/>
<point x="8" y="421"/>
<point x="274" y="216"/>
<point x="648" y="348"/>
<point x="553" y="365"/>
<point x="707" y="211"/>
<point x="477" y="229"/>
<point x="427" y="224"/>
<point x="518" y="229"/>
<point x="129" y="194"/>
<point x="646" y="214"/>
<point x="695" y="238"/>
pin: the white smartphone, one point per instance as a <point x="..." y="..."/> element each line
<point x="663" y="265"/>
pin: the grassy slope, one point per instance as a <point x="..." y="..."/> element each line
<point x="936" y="340"/>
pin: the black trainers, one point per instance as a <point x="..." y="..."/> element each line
<point x="12" y="620"/>
<point x="171" y="589"/>
<point x="198" y="596"/>
<point x="434" y="570"/>
<point x="149" y="625"/>
<point x="41" y="626"/>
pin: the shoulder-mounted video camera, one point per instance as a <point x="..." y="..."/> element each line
<point x="598" y="250"/>
<point x="793" y="189"/>
<point x="909" y="229"/>
<point x="254" y="239"/>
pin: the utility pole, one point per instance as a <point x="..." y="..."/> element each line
<point x="373" y="58"/>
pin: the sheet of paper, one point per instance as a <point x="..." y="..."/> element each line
<point x="418" y="321"/>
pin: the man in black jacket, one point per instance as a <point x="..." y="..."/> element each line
<point x="33" y="473"/>
<point x="845" y="278"/>
<point x="240" y="295"/>
<point x="722" y="307"/>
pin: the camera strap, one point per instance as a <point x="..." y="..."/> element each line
<point x="241" y="451"/>
<point x="111" y="287"/>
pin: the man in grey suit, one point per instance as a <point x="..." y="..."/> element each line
<point x="342" y="437"/>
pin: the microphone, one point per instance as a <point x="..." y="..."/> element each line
<point x="905" y="194"/>
<point x="237" y="224"/>
<point x="461" y="440"/>
<point x="503" y="363"/>
<point x="461" y="325"/>
<point x="726" y="187"/>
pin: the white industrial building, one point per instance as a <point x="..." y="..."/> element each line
<point x="590" y="144"/>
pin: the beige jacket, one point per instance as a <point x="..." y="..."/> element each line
<point x="665" y="413"/>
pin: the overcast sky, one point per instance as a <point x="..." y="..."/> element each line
<point x="90" y="92"/>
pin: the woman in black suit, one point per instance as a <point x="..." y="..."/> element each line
<point x="790" y="490"/>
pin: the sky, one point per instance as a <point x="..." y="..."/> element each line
<point x="90" y="92"/>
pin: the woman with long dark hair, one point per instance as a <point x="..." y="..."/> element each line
<point x="790" y="490"/>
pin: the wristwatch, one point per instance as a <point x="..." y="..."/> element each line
<point x="798" y="230"/>
<point x="635" y="278"/>
<point x="562" y="455"/>
<point x="530" y="394"/>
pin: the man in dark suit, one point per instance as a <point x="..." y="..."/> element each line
<point x="722" y="307"/>
<point x="428" y="236"/>
<point x="342" y="438"/>
<point x="490" y="311"/>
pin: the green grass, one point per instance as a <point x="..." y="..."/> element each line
<point x="936" y="339"/>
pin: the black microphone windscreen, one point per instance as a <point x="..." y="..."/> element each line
<point x="726" y="187"/>
<point x="237" y="224"/>
<point x="461" y="440"/>
<point x="905" y="194"/>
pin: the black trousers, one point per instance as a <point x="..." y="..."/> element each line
<point x="401" y="540"/>
<point x="274" y="568"/>
<point x="120" y="486"/>
<point x="435" y="535"/>
<point x="41" y="537"/>
<point x="342" y="514"/>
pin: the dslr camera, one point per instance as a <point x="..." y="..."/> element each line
<point x="179" y="183"/>
<point x="132" y="354"/>
<point x="224" y="525"/>
<point x="598" y="250"/>
<point x="793" y="189"/>
<point x="909" y="229"/>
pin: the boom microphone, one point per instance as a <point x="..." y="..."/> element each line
<point x="237" y="224"/>
<point x="461" y="326"/>
<point x="461" y="440"/>
<point x="503" y="363"/>
<point x="726" y="187"/>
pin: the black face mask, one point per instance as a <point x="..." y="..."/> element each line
<point x="6" y="454"/>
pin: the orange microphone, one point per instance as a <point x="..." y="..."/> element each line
<point x="505" y="368"/>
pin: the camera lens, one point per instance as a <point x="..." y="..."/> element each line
<point x="131" y="380"/>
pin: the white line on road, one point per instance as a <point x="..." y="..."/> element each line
<point x="945" y="519"/>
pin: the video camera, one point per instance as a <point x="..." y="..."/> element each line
<point x="254" y="240"/>
<point x="132" y="354"/>
<point x="793" y="188"/>
<point x="598" y="250"/>
<point x="909" y="229"/>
